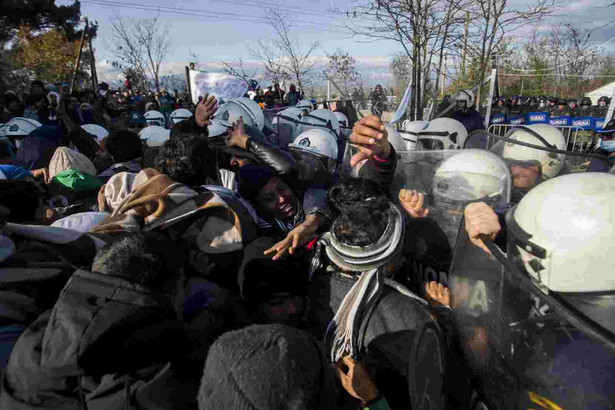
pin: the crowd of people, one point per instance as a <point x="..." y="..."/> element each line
<point x="555" y="107"/>
<point x="158" y="254"/>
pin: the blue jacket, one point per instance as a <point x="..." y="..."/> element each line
<point x="471" y="119"/>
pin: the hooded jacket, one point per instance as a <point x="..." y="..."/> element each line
<point x="107" y="344"/>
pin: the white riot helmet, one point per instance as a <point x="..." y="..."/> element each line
<point x="562" y="230"/>
<point x="99" y="132"/>
<point x="324" y="119"/>
<point x="154" y="118"/>
<point x="231" y="111"/>
<point x="180" y="115"/>
<point x="473" y="175"/>
<point x="411" y="131"/>
<point x="305" y="105"/>
<point x="395" y="139"/>
<point x="442" y="133"/>
<point x="541" y="135"/>
<point x="316" y="141"/>
<point x="466" y="96"/>
<point x="20" y="127"/>
<point x="154" y="136"/>
<point x="342" y="119"/>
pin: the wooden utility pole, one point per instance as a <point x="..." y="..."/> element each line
<point x="78" y="60"/>
<point x="92" y="60"/>
<point x="445" y="57"/>
<point x="464" y="52"/>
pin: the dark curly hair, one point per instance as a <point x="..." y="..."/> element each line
<point x="362" y="223"/>
<point x="349" y="192"/>
<point x="149" y="259"/>
<point x="124" y="146"/>
<point x="186" y="160"/>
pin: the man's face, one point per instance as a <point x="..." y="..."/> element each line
<point x="278" y="200"/>
<point x="602" y="103"/>
<point x="378" y="89"/>
<point x="525" y="178"/>
<point x="73" y="103"/>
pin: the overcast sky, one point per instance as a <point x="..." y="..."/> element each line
<point x="223" y="29"/>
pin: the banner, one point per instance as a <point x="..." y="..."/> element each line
<point x="516" y="119"/>
<point x="498" y="119"/>
<point x="562" y="121"/>
<point x="599" y="124"/>
<point x="538" y="118"/>
<point x="221" y="85"/>
<point x="585" y="123"/>
<point x="401" y="110"/>
<point x="494" y="75"/>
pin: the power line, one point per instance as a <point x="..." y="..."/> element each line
<point x="204" y="13"/>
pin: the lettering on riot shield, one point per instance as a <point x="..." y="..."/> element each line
<point x="471" y="295"/>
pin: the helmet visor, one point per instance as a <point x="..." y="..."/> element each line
<point x="430" y="144"/>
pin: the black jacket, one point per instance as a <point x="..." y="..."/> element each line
<point x="106" y="344"/>
<point x="389" y="336"/>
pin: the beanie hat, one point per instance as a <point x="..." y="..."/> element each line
<point x="252" y="178"/>
<point x="266" y="367"/>
<point x="116" y="190"/>
<point x="77" y="181"/>
<point x="66" y="158"/>
<point x="260" y="278"/>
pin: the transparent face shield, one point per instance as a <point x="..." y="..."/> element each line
<point x="532" y="163"/>
<point x="313" y="167"/>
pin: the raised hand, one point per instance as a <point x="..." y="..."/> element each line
<point x="370" y="136"/>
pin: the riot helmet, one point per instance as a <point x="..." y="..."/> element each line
<point x="410" y="130"/>
<point x="586" y="102"/>
<point x="464" y="99"/>
<point x="604" y="101"/>
<point x="99" y="132"/>
<point x="154" y="118"/>
<point x="180" y="115"/>
<point x="20" y="127"/>
<point x="472" y="175"/>
<point x="319" y="119"/>
<point x="442" y="133"/>
<point x="230" y="112"/>
<point x="305" y="105"/>
<point x="548" y="164"/>
<point x="319" y="143"/>
<point x="154" y="135"/>
<point x="557" y="228"/>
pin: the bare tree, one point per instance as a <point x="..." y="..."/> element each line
<point x="492" y="20"/>
<point x="422" y="28"/>
<point x="141" y="44"/>
<point x="342" y="67"/>
<point x="283" y="57"/>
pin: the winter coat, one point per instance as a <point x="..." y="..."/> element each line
<point x="106" y="344"/>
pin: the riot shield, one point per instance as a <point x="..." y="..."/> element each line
<point x="448" y="190"/>
<point x="527" y="348"/>
<point x="533" y="163"/>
